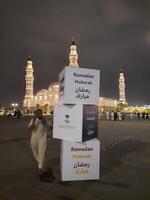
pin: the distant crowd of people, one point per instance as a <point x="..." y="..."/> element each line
<point x="114" y="116"/>
<point x="143" y="115"/>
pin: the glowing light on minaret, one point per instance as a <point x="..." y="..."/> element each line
<point x="122" y="98"/>
<point x="73" y="56"/>
<point x="29" y="78"/>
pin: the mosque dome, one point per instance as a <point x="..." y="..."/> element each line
<point x="53" y="86"/>
<point x="53" y="91"/>
<point x="42" y="94"/>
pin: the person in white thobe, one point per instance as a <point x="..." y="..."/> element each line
<point x="112" y="116"/>
<point x="39" y="126"/>
<point x="131" y="115"/>
<point x="107" y="115"/>
<point x="119" y="116"/>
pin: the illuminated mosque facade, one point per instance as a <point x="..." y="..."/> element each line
<point x="47" y="98"/>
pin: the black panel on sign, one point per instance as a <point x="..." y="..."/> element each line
<point x="90" y="122"/>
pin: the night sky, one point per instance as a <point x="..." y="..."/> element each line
<point x="111" y="34"/>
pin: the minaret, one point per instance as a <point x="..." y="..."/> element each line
<point x="122" y="98"/>
<point x="29" y="78"/>
<point x="73" y="56"/>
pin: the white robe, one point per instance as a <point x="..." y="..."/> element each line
<point x="119" y="116"/>
<point x="112" y="116"/>
<point x="107" y="115"/>
<point x="38" y="141"/>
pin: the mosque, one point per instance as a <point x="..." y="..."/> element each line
<point x="47" y="98"/>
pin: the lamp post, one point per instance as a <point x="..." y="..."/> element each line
<point x="14" y="105"/>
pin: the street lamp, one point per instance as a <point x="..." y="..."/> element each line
<point x="14" y="105"/>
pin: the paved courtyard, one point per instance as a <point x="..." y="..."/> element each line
<point x="125" y="164"/>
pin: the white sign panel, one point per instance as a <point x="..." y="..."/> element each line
<point x="75" y="122"/>
<point x="80" y="161"/>
<point x="79" y="85"/>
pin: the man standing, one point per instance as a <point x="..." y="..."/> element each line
<point x="119" y="116"/>
<point x="115" y="116"/>
<point x="107" y="115"/>
<point x="138" y="114"/>
<point x="39" y="126"/>
<point x="112" y="115"/>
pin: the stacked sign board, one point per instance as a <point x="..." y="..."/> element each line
<point x="80" y="161"/>
<point x="76" y="123"/>
<point x="79" y="85"/>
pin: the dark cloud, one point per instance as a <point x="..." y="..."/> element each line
<point x="110" y="35"/>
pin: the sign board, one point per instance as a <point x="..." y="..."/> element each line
<point x="75" y="122"/>
<point x="79" y="85"/>
<point x="80" y="161"/>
